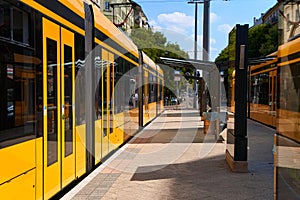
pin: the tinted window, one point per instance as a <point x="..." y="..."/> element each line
<point x="14" y="23"/>
<point x="68" y="105"/>
<point x="52" y="142"/>
<point x="18" y="97"/>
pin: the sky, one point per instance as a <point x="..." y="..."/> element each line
<point x="176" y="20"/>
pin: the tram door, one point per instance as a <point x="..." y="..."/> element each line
<point x="108" y="98"/>
<point x="58" y="98"/>
<point x="272" y="96"/>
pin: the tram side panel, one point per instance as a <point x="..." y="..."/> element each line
<point x="38" y="104"/>
<point x="152" y="94"/>
<point x="288" y="90"/>
<point x="43" y="134"/>
<point x="149" y="89"/>
<point x="287" y="158"/>
<point x="20" y="112"/>
<point x="160" y="87"/>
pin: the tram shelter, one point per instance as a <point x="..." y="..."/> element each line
<point x="208" y="83"/>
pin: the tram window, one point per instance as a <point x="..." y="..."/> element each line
<point x="161" y="90"/>
<point x="2" y="16"/>
<point x="52" y="142"/>
<point x="4" y="20"/>
<point x="117" y="75"/>
<point x="14" y="23"/>
<point x="260" y="89"/>
<point x="105" y="102"/>
<point x="98" y="83"/>
<point x="20" y="26"/>
<point x="122" y="86"/>
<point x="17" y="103"/>
<point x="79" y="79"/>
<point x="111" y="66"/>
<point x="289" y="88"/>
<point x="68" y="100"/>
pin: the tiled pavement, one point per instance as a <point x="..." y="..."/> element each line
<point x="172" y="159"/>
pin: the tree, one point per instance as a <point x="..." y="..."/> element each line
<point x="155" y="45"/>
<point x="223" y="56"/>
<point x="262" y="41"/>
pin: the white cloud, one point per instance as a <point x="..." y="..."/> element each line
<point x="213" y="17"/>
<point x="200" y="39"/>
<point x="212" y="41"/>
<point x="188" y="45"/>
<point x="177" y="29"/>
<point x="225" y="28"/>
<point x="153" y="24"/>
<point x="176" y="18"/>
<point x="213" y="50"/>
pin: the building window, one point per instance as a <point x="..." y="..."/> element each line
<point x="106" y="6"/>
<point x="288" y="23"/>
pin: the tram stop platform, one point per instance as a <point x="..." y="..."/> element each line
<point x="171" y="158"/>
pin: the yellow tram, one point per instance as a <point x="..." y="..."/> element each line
<point x="274" y="99"/>
<point x="273" y="90"/>
<point x="50" y="132"/>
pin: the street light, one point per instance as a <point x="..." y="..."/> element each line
<point x="205" y="52"/>
<point x="195" y="45"/>
<point x="205" y="27"/>
<point x="196" y="12"/>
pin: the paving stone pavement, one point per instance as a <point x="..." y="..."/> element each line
<point x="172" y="159"/>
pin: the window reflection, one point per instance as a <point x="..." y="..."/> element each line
<point x="68" y="110"/>
<point x="18" y="101"/>
<point x="20" y="82"/>
<point x="52" y="135"/>
<point x="14" y="23"/>
<point x="260" y="89"/>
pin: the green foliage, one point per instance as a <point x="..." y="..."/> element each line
<point x="155" y="45"/>
<point x="223" y="56"/>
<point x="271" y="43"/>
<point x="228" y="52"/>
<point x="262" y="40"/>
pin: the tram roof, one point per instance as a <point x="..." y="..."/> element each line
<point x="259" y="60"/>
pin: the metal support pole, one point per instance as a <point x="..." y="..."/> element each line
<point x="205" y="53"/>
<point x="90" y="88"/>
<point x="195" y="55"/>
<point x="195" y="44"/>
<point x="177" y="89"/>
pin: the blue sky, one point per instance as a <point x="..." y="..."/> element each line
<point x="175" y="18"/>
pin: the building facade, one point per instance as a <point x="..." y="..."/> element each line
<point x="291" y="19"/>
<point x="269" y="17"/>
<point x="125" y="14"/>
